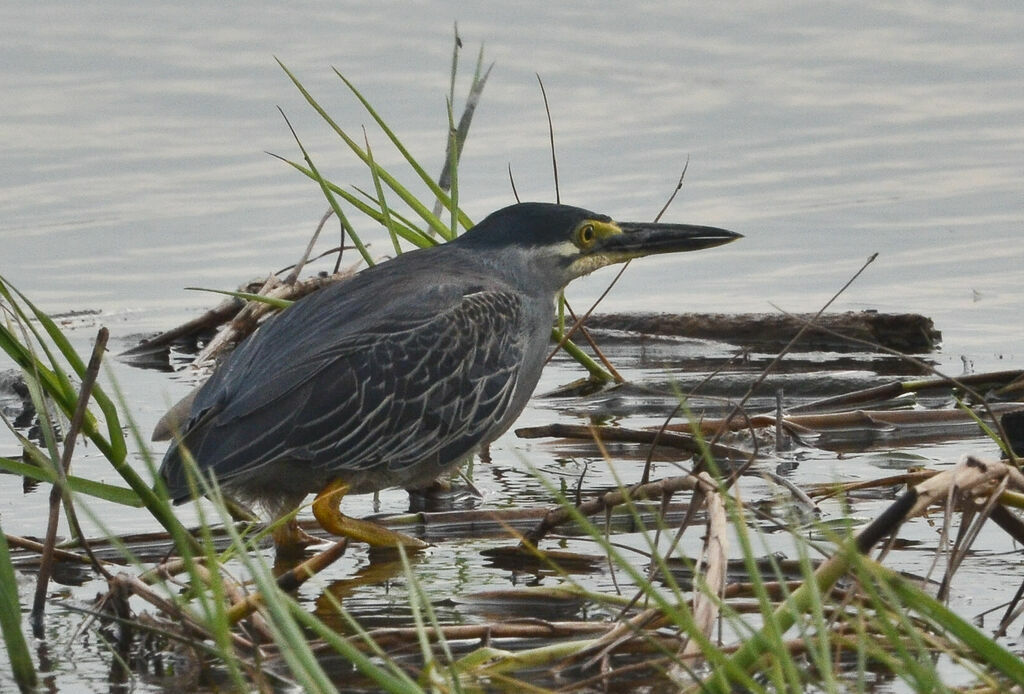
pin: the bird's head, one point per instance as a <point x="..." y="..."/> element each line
<point x="565" y="242"/>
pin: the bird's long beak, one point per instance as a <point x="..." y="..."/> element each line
<point x="647" y="238"/>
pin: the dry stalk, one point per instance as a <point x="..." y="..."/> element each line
<point x="167" y="570"/>
<point x="803" y="425"/>
<point x="211" y="319"/>
<point x="393" y="637"/>
<point x="290" y="580"/>
<point x="964" y="383"/>
<point x="243" y="323"/>
<point x="58" y="553"/>
<point x="977" y="479"/>
<point x="622" y="632"/>
<point x="235" y="594"/>
<point x="653" y="490"/>
<point x="831" y="489"/>
<point x="675" y="440"/>
<point x="247" y="320"/>
<point x="715" y="557"/>
<point x="130" y="584"/>
<point x="60" y="492"/>
<point x="971" y="481"/>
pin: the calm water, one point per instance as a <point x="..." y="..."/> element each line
<point x="134" y="141"/>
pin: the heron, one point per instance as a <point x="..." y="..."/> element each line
<point x="397" y="375"/>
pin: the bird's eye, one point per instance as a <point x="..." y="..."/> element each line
<point x="586" y="234"/>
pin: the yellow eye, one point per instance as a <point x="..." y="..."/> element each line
<point x="586" y="235"/>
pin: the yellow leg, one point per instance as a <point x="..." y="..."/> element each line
<point x="291" y="540"/>
<point x="329" y="515"/>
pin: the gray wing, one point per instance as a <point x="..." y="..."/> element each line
<point x="380" y="402"/>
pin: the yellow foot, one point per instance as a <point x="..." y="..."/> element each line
<point x="329" y="515"/>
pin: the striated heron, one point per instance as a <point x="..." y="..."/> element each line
<point x="399" y="374"/>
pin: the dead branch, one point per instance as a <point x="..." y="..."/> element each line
<point x="234" y="310"/>
<point x="715" y="558"/>
<point x="515" y="629"/>
<point x="652" y="490"/>
<point x="768" y="332"/>
<point x="675" y="440"/>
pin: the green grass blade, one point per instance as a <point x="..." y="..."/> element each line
<point x="381" y="200"/>
<point x="47" y="384"/>
<point x="115" y="437"/>
<point x="10" y="622"/>
<point x="277" y="607"/>
<point x="762" y="643"/>
<point x="406" y="196"/>
<point x="51" y="380"/>
<point x="435" y="189"/>
<point x="455" y="64"/>
<point x="46" y="418"/>
<point x="461" y="132"/>
<point x="398" y="220"/>
<point x="59" y="387"/>
<point x="410" y="234"/>
<point x="64" y="388"/>
<point x="79" y="485"/>
<point x="396" y="682"/>
<point x="573" y="350"/>
<point x="331" y="200"/>
<point x="989" y="651"/>
<point x="679" y="615"/>
<point x="248" y="296"/>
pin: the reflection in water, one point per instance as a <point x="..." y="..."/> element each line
<point x="378" y="573"/>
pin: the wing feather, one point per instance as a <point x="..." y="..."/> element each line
<point x="416" y="392"/>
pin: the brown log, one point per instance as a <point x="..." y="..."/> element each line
<point x="909" y="333"/>
<point x="668" y="439"/>
<point x="889" y="420"/>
